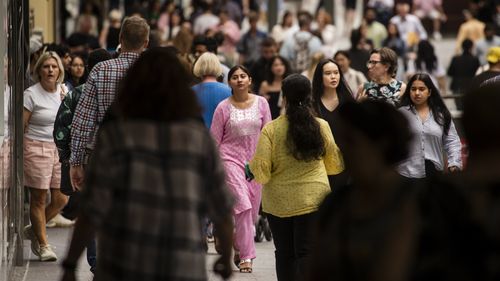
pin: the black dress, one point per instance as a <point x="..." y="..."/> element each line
<point x="112" y="40"/>
<point x="273" y="104"/>
<point x="331" y="117"/>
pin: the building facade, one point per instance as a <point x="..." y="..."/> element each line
<point x="13" y="68"/>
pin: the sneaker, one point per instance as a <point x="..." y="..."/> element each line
<point x="46" y="253"/>
<point x="50" y="224"/>
<point x="29" y="234"/>
<point x="60" y="221"/>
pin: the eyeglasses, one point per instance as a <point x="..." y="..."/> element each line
<point x="372" y="62"/>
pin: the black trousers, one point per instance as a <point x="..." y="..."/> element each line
<point x="430" y="169"/>
<point x="293" y="243"/>
<point x="339" y="180"/>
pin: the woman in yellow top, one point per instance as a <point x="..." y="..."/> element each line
<point x="294" y="155"/>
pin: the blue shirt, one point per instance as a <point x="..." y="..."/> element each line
<point x="210" y="94"/>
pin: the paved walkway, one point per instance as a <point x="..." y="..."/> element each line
<point x="59" y="238"/>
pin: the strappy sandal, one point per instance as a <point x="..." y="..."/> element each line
<point x="245" y="266"/>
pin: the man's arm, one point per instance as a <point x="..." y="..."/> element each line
<point x="83" y="128"/>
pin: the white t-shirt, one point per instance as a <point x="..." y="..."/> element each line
<point x="43" y="106"/>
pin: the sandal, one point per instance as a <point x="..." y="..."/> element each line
<point x="245" y="266"/>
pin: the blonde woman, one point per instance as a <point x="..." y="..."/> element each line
<point x="42" y="170"/>
<point x="209" y="91"/>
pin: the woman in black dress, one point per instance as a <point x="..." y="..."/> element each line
<point x="277" y="70"/>
<point x="330" y="90"/>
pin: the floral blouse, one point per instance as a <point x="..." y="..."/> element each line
<point x="389" y="93"/>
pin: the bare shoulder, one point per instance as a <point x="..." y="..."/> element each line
<point x="263" y="87"/>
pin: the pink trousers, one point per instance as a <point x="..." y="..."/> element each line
<point x="245" y="232"/>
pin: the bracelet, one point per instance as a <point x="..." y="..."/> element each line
<point x="66" y="265"/>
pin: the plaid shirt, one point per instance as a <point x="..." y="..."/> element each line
<point x="97" y="96"/>
<point x="148" y="187"/>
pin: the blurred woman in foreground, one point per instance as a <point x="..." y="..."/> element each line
<point x="153" y="177"/>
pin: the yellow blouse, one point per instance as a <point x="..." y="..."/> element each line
<point x="292" y="187"/>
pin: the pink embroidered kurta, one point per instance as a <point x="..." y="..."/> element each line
<point x="236" y="131"/>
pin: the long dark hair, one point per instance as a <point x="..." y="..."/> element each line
<point x="426" y="56"/>
<point x="343" y="91"/>
<point x="269" y="68"/>
<point x="436" y="104"/>
<point x="233" y="70"/>
<point x="84" y="57"/>
<point x="152" y="91"/>
<point x="304" y="139"/>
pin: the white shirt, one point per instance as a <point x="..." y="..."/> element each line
<point x="429" y="143"/>
<point x="280" y="33"/>
<point x="409" y="24"/>
<point x="43" y="106"/>
<point x="204" y="22"/>
<point x="383" y="3"/>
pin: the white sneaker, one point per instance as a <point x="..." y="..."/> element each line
<point x="29" y="234"/>
<point x="50" y="224"/>
<point x="46" y="253"/>
<point x="60" y="221"/>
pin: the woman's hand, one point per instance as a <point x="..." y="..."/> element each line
<point x="361" y="96"/>
<point x="77" y="175"/>
<point x="453" y="169"/>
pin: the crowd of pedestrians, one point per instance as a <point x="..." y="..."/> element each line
<point x="168" y="121"/>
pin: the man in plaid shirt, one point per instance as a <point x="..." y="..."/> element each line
<point x="99" y="93"/>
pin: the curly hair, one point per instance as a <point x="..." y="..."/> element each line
<point x="304" y="139"/>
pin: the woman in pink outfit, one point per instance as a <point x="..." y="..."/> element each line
<point x="236" y="128"/>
